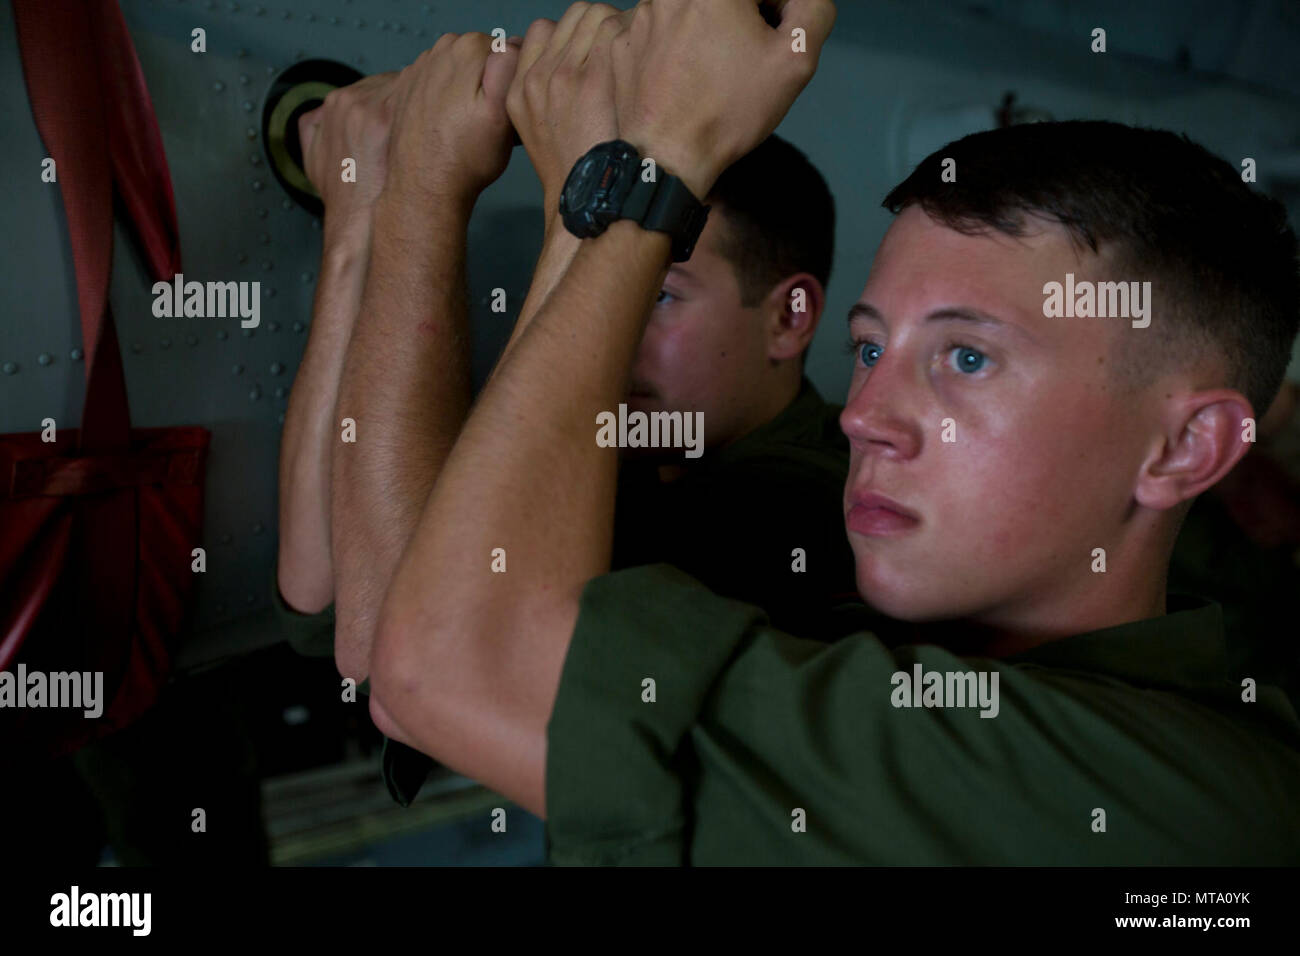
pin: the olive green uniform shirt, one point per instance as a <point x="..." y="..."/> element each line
<point x="753" y="746"/>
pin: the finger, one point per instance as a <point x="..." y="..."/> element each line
<point x="816" y="17"/>
<point x="584" y="34"/>
<point x="308" y="127"/>
<point x="499" y="72"/>
<point x="564" y="30"/>
<point x="536" y="41"/>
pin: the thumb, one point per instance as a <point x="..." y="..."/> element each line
<point x="500" y="70"/>
<point x="308" y="127"/>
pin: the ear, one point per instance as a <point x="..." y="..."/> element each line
<point x="795" y="304"/>
<point x="1206" y="434"/>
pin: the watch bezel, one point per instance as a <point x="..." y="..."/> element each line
<point x="590" y="215"/>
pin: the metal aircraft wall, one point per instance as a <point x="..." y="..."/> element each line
<point x="896" y="81"/>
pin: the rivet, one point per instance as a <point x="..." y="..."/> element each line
<point x="247" y="105"/>
<point x="237" y="370"/>
<point x="421" y="32"/>
<point x="255" y="392"/>
<point x="311" y="18"/>
<point x="243" y="52"/>
<point x="75" y="355"/>
<point x="257" y="185"/>
<point x="222" y="335"/>
<point x="260" y="11"/>
<point x="270" y="71"/>
<point x="286" y="204"/>
<point x="298" y="54"/>
<point x="281" y="392"/>
<point x="250" y="133"/>
<point x="234" y="7"/>
<point x="255" y="160"/>
<point x="297" y="326"/>
<point x="248" y="333"/>
<point x="241" y="258"/>
<point x="243" y="79"/>
<point x="211" y="4"/>
<point x="45" y="358"/>
<point x="359" y="23"/>
<point x="135" y="347"/>
<point x="315" y="223"/>
<point x="225" y="538"/>
<point x="218" y="86"/>
<point x="261" y="214"/>
<point x="334" y="21"/>
<point x="191" y="340"/>
<point x="165" y="343"/>
<point x="288" y="15"/>
<point x="382" y="24"/>
<point x="273" y="325"/>
<point x="10" y="368"/>
<point x="306" y="277"/>
<point x="276" y="368"/>
<point x="401" y="28"/>
<point x="266" y="265"/>
<point x="257" y="527"/>
<point x="248" y="599"/>
<point x="264" y="239"/>
<point x="270" y="293"/>
<point x="280" y="418"/>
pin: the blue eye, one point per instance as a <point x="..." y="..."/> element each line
<point x="969" y="360"/>
<point x="870" y="353"/>
<point x="664" y="295"/>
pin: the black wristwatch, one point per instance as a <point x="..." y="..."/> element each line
<point x="606" y="185"/>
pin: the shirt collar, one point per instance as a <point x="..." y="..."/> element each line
<point x="1184" y="648"/>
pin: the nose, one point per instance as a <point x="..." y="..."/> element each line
<point x="880" y="415"/>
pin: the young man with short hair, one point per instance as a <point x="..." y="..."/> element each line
<point x="1016" y="484"/>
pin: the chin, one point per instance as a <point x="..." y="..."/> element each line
<point x="901" y="595"/>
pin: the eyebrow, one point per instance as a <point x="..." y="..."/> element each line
<point x="681" y="275"/>
<point x="861" y="310"/>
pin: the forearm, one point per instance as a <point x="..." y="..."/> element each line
<point x="559" y="246"/>
<point x="305" y="570"/>
<point x="469" y="661"/>
<point x="406" y="384"/>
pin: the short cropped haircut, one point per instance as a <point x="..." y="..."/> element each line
<point x="1221" y="256"/>
<point x="779" y="216"/>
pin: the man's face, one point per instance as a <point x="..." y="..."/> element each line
<point x="702" y="350"/>
<point x="1044" y="450"/>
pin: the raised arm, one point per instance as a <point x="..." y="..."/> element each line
<point x="353" y="123"/>
<point x="406" y="380"/>
<point x="467" y="661"/>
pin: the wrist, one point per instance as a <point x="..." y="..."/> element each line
<point x="696" y="171"/>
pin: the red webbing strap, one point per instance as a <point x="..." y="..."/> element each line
<point x="93" y="112"/>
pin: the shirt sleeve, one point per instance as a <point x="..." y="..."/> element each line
<point x="613" y="787"/>
<point x="311" y="635"/>
<point x="754" y="747"/>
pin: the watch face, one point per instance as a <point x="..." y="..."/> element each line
<point x="594" y="192"/>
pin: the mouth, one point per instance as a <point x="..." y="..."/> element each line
<point x="877" y="516"/>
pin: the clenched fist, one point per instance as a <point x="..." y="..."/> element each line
<point x="562" y="99"/>
<point x="700" y="84"/>
<point x="352" y="123"/>
<point x="451" y="136"/>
